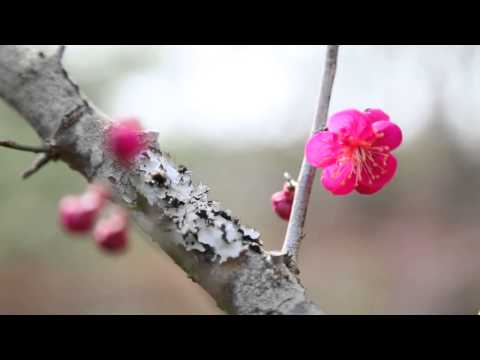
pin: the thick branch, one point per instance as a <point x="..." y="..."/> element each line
<point x="223" y="256"/>
<point x="296" y="224"/>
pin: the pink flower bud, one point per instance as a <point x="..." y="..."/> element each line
<point x="282" y="202"/>
<point x="77" y="213"/>
<point x="97" y="193"/>
<point x="124" y="139"/>
<point x="111" y="234"/>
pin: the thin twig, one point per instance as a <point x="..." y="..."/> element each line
<point x="295" y="233"/>
<point x="37" y="164"/>
<point x="47" y="154"/>
<point x="34" y="149"/>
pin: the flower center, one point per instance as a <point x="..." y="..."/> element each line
<point x="368" y="161"/>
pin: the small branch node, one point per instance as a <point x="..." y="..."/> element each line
<point x="71" y="118"/>
<point x="290" y="181"/>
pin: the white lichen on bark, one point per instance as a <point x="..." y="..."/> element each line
<point x="223" y="256"/>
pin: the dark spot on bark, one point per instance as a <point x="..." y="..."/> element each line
<point x="256" y="248"/>
<point x="71" y="118"/>
<point x="247" y="236"/>
<point x="202" y="214"/>
<point x="41" y="55"/>
<point x="112" y="179"/>
<point x="223" y="228"/>
<point x="223" y="214"/>
<point x="209" y="253"/>
<point x="182" y="169"/>
<point x="173" y="201"/>
<point x="159" y="178"/>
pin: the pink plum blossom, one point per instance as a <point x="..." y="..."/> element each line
<point x="354" y="152"/>
<point x="124" y="139"/>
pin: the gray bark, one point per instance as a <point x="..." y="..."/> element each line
<point x="303" y="189"/>
<point x="223" y="256"/>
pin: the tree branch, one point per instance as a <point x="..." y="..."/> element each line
<point x="298" y="216"/>
<point x="33" y="149"/>
<point x="37" y="164"/>
<point x="222" y="255"/>
<point x="47" y="153"/>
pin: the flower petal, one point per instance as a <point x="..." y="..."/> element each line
<point x="374" y="115"/>
<point x="350" y="123"/>
<point x="378" y="176"/>
<point x="391" y="134"/>
<point x="338" y="178"/>
<point x="322" y="149"/>
<point x="369" y="190"/>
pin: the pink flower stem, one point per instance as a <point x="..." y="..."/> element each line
<point x="296" y="224"/>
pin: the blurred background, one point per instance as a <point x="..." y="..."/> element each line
<point x="238" y="116"/>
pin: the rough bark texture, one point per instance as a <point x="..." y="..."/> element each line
<point x="223" y="256"/>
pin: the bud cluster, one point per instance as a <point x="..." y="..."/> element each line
<point x="78" y="215"/>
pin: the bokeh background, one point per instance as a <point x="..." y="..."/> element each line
<point x="238" y="116"/>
